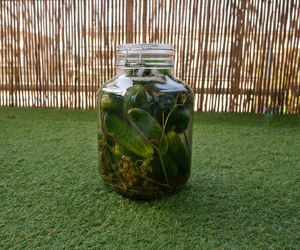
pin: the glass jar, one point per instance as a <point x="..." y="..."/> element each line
<point x="145" y="124"/>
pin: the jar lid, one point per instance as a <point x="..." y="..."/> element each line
<point x="150" y="55"/>
<point x="145" y="49"/>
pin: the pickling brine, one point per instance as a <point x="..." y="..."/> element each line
<point x="145" y="118"/>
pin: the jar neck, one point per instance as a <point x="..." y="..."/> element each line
<point x="149" y="63"/>
<point x="145" y="72"/>
<point x="145" y="58"/>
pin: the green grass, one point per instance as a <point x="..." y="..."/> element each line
<point x="243" y="192"/>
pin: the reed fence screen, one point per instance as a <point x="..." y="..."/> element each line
<point x="237" y="55"/>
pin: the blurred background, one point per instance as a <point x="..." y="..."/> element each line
<point x="238" y="56"/>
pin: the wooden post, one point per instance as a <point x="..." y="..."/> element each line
<point x="145" y="3"/>
<point x="129" y="21"/>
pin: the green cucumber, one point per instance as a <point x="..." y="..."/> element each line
<point x="137" y="96"/>
<point x="111" y="102"/>
<point x="179" y="153"/>
<point x="148" y="127"/>
<point x="127" y="137"/>
<point x="157" y="172"/>
<point x="179" y="120"/>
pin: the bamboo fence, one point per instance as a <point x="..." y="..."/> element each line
<point x="237" y="55"/>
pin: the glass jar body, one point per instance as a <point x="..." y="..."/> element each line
<point x="145" y="119"/>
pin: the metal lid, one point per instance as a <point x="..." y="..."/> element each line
<point x="150" y="55"/>
<point x="146" y="49"/>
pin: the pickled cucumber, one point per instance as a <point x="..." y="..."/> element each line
<point x="137" y="96"/>
<point x="179" y="120"/>
<point x="148" y="127"/>
<point x="178" y="152"/>
<point x="157" y="171"/>
<point x="120" y="151"/>
<point x="111" y="102"/>
<point x="127" y="137"/>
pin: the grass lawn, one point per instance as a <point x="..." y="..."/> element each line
<point x="244" y="191"/>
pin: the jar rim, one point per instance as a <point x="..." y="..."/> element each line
<point x="144" y="49"/>
<point x="155" y="46"/>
